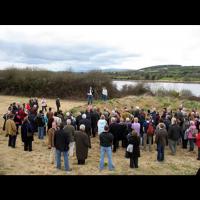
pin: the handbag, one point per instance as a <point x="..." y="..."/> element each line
<point x="130" y="148"/>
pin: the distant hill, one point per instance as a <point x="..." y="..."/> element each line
<point x="161" y="73"/>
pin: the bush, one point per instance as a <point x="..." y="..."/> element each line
<point x="186" y="93"/>
<point x="40" y="83"/>
<point x="138" y="89"/>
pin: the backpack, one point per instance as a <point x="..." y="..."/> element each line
<point x="150" y="129"/>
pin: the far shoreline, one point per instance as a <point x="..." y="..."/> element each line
<point x="158" y="81"/>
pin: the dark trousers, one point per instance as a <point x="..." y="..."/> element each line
<point x="58" y="107"/>
<point x="45" y="130"/>
<point x="28" y="144"/>
<point x="160" y="155"/>
<point x="12" y="141"/>
<point x="133" y="162"/>
<point x="94" y="130"/>
<point x="44" y="108"/>
<point x="184" y="144"/>
<point x="81" y="162"/>
<point x="17" y="125"/>
<point x="198" y="153"/>
<point x="124" y="142"/>
<point x="115" y="145"/>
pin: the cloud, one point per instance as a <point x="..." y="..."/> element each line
<point x="79" y="56"/>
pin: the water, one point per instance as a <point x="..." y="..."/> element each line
<point x="193" y="87"/>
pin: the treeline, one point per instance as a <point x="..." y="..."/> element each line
<point x="28" y="82"/>
<point x="38" y="83"/>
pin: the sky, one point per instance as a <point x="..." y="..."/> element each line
<point x="98" y="47"/>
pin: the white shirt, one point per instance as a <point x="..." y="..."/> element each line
<point x="101" y="124"/>
<point x="105" y="92"/>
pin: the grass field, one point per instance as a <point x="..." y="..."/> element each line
<point x="18" y="162"/>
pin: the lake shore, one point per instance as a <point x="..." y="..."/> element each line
<point x="158" y="81"/>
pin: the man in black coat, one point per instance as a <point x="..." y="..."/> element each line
<point x="87" y="124"/>
<point x="27" y="134"/>
<point x="94" y="119"/>
<point x="61" y="143"/>
<point x="174" y="134"/>
<point x="58" y="104"/>
<point x="114" y="128"/>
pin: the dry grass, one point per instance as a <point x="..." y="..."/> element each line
<point x="16" y="161"/>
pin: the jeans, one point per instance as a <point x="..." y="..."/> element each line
<point x="160" y="155"/>
<point x="108" y="151"/>
<point x="90" y="99"/>
<point x="191" y="142"/>
<point x="58" y="159"/>
<point x="41" y="133"/>
<point x="104" y="97"/>
<point x="172" y="146"/>
<point x="12" y="141"/>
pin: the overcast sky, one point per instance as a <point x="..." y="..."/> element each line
<point x="98" y="47"/>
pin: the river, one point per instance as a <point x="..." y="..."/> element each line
<point x="193" y="87"/>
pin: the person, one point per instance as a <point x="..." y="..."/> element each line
<point x="136" y="126"/>
<point x="114" y="129"/>
<point x="123" y="131"/>
<point x="94" y="119"/>
<point x="134" y="153"/>
<point x="104" y="94"/>
<point x="160" y="140"/>
<point x="70" y="130"/>
<point x="45" y="124"/>
<point x="51" y="146"/>
<point x="192" y="135"/>
<point x="78" y="118"/>
<point x="174" y="134"/>
<point x="11" y="131"/>
<point x="58" y="104"/>
<point x="148" y="130"/>
<point x="61" y="142"/>
<point x="40" y="121"/>
<point x="27" y="134"/>
<point x="44" y="104"/>
<point x="101" y="124"/>
<point x="198" y="144"/>
<point x="87" y="124"/>
<point x="106" y="139"/>
<point x="185" y="128"/>
<point x="82" y="145"/>
<point x="18" y="121"/>
<point x="90" y="95"/>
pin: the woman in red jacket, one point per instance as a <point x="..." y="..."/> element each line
<point x="198" y="144"/>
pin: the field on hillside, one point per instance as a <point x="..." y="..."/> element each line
<point x="16" y="161"/>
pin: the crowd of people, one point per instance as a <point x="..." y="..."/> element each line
<point x="134" y="128"/>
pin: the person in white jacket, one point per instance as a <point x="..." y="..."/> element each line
<point x="101" y="124"/>
<point x="104" y="94"/>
